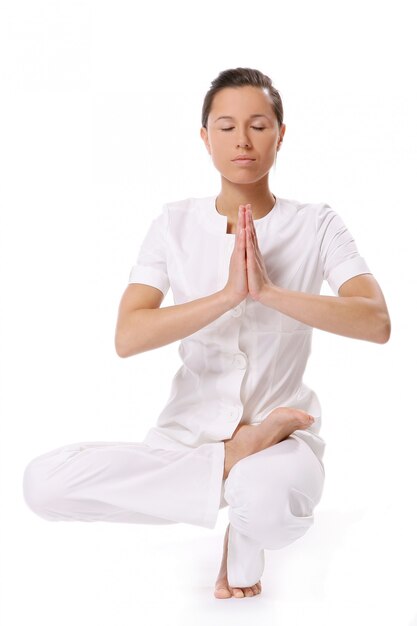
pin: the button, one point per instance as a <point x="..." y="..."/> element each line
<point x="236" y="311"/>
<point x="240" y="361"/>
<point x="234" y="413"/>
<point x="230" y="412"/>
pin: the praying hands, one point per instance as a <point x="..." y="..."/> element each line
<point x="359" y="310"/>
<point x="247" y="271"/>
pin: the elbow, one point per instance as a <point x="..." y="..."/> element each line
<point x="120" y="349"/>
<point x="384" y="326"/>
<point x="124" y="346"/>
<point x="387" y="332"/>
<point x="121" y="346"/>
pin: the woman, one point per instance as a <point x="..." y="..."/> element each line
<point x="240" y="428"/>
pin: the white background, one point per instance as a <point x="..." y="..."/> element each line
<point x="101" y="111"/>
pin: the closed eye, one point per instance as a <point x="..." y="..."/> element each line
<point x="255" y="127"/>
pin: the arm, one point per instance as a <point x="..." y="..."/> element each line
<point x="142" y="325"/>
<point x="359" y="311"/>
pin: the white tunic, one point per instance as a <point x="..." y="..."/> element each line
<point x="252" y="358"/>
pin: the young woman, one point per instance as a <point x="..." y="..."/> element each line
<point x="240" y="428"/>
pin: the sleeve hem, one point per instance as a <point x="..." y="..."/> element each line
<point x="348" y="269"/>
<point x="149" y="276"/>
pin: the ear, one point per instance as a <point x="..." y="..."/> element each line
<point x="204" y="137"/>
<point x="281" y="136"/>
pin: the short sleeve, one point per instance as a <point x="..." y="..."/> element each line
<point x="151" y="265"/>
<point x="338" y="251"/>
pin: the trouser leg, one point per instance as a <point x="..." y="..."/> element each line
<point x="126" y="482"/>
<point x="271" y="495"/>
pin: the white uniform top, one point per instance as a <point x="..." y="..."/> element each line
<point x="252" y="358"/>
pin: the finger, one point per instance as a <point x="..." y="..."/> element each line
<point x="253" y="226"/>
<point x="249" y="220"/>
<point x="245" y="223"/>
<point x="249" y="243"/>
<point x="239" y="225"/>
<point x="250" y="229"/>
<point x="241" y="229"/>
<point x="255" y="238"/>
<point x="247" y="212"/>
<point x="241" y="217"/>
<point x="242" y="237"/>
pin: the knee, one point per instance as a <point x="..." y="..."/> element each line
<point x="273" y="519"/>
<point x="37" y="489"/>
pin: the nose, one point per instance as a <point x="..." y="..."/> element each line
<point x="243" y="141"/>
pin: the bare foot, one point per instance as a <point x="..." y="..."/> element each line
<point x="222" y="589"/>
<point x="249" y="438"/>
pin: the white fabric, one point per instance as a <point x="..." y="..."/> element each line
<point x="238" y="368"/>
<point x="271" y="494"/>
<point x="252" y="358"/>
<point x="126" y="482"/>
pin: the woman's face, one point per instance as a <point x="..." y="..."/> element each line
<point x="242" y="133"/>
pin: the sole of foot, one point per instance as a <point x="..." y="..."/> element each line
<point x="278" y="425"/>
<point x="282" y="422"/>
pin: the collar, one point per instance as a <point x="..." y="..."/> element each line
<point x="217" y="223"/>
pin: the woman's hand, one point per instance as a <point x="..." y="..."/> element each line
<point x="257" y="275"/>
<point x="237" y="284"/>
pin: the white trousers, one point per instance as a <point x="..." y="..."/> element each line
<point x="271" y="494"/>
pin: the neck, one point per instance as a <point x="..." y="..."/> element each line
<point x="228" y="201"/>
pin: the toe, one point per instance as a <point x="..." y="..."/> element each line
<point x="238" y="593"/>
<point x="222" y="592"/>
<point x="248" y="592"/>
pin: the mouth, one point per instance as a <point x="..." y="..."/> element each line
<point x="243" y="161"/>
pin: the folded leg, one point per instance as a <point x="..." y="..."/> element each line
<point x="272" y="495"/>
<point x="126" y="482"/>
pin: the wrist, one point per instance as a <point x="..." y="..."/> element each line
<point x="268" y="294"/>
<point x="229" y="300"/>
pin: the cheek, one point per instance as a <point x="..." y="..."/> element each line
<point x="220" y="153"/>
<point x="218" y="157"/>
<point x="269" y="142"/>
<point x="270" y="146"/>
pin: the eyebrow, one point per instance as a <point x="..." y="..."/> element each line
<point x="229" y="117"/>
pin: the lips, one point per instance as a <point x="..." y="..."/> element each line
<point x="243" y="158"/>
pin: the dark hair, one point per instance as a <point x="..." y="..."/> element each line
<point x="239" y="77"/>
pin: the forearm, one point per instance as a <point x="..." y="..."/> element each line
<point x="147" y="329"/>
<point x="353" y="316"/>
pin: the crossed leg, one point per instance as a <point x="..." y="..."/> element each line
<point x="272" y="495"/>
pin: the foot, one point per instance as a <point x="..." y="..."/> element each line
<point x="222" y="589"/>
<point x="249" y="438"/>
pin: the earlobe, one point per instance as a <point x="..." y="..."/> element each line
<point x="203" y="135"/>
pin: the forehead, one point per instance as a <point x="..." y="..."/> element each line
<point x="248" y="101"/>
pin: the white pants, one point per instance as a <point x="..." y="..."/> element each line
<point x="271" y="494"/>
